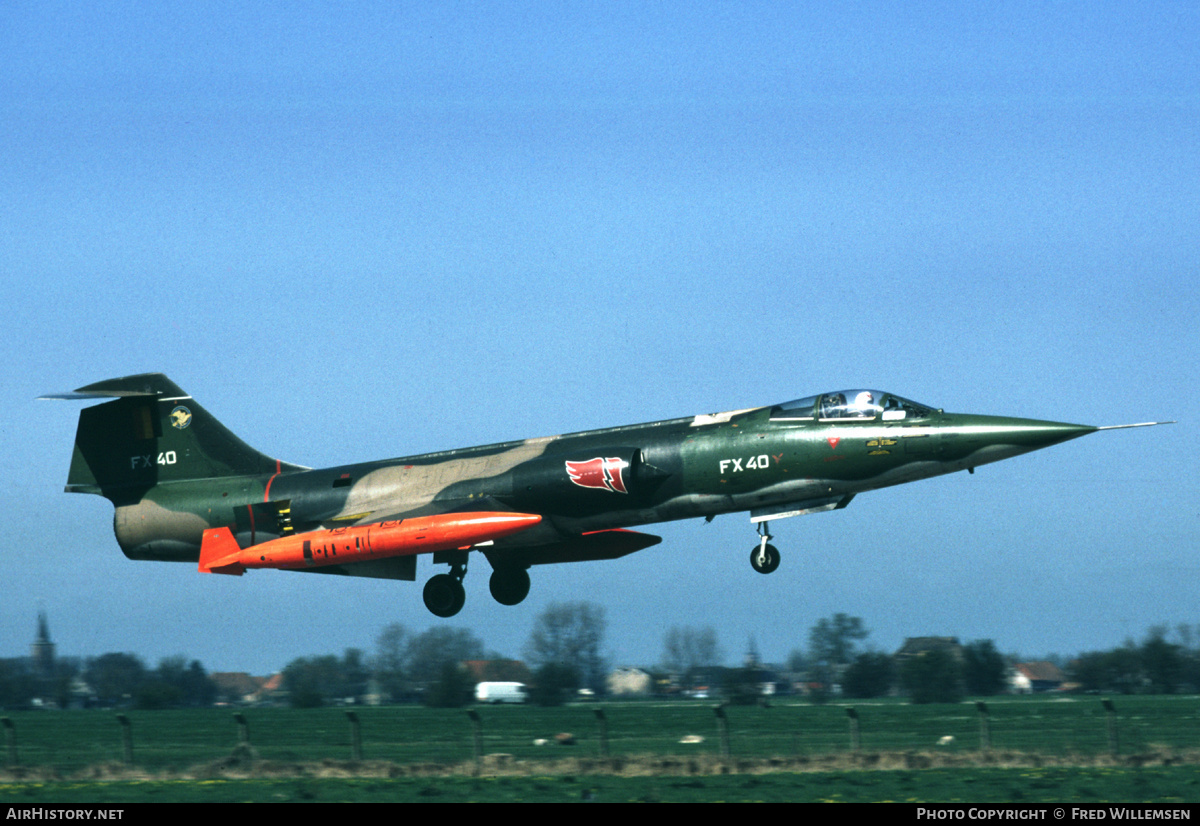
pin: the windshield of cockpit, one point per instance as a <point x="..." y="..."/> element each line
<point x="849" y="405"/>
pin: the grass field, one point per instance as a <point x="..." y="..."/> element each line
<point x="1042" y="749"/>
<point x="1080" y="785"/>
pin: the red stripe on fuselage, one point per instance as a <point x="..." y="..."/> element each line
<point x="267" y="492"/>
<point x="250" y="511"/>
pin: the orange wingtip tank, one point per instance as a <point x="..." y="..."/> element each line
<point x="221" y="554"/>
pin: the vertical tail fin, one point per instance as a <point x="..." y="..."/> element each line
<point x="153" y="433"/>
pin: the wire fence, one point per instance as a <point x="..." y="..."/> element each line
<point x="1086" y="727"/>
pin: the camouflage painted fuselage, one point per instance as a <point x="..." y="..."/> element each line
<point x="173" y="471"/>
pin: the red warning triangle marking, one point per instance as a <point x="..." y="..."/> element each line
<point x="833" y="441"/>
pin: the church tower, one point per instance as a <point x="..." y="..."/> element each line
<point x="42" y="650"/>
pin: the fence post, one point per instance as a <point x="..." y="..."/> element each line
<point x="985" y="728"/>
<point x="243" y="729"/>
<point x="477" y="730"/>
<point x="10" y="737"/>
<point x="1111" y="717"/>
<point x="355" y="736"/>
<point x="602" y="722"/>
<point x="126" y="738"/>
<point x="855" y="740"/>
<point x="722" y="730"/>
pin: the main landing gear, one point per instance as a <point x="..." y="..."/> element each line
<point x="509" y="585"/>
<point x="765" y="557"/>
<point x="445" y="596"/>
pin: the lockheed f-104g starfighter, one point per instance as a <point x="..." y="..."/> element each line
<point x="186" y="489"/>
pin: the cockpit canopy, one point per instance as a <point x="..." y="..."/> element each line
<point x="851" y="405"/>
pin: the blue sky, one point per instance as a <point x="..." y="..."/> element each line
<point x="356" y="231"/>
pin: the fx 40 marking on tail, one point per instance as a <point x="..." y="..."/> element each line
<point x="164" y="458"/>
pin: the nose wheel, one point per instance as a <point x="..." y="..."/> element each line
<point x="765" y="557"/>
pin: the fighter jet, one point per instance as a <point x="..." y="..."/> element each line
<point x="186" y="489"/>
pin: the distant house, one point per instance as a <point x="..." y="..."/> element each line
<point x="929" y="669"/>
<point x="240" y="687"/>
<point x="915" y="646"/>
<point x="629" y="682"/>
<point x="270" y="690"/>
<point x="513" y="671"/>
<point x="1031" y="678"/>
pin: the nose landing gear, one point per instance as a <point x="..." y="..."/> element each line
<point x="765" y="557"/>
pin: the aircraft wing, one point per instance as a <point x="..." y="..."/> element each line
<point x="586" y="547"/>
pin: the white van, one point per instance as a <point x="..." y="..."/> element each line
<point x="500" y="693"/>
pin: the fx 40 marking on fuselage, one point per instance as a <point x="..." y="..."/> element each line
<point x="542" y="501"/>
<point x="759" y="462"/>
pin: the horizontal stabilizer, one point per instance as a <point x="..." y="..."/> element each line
<point x="150" y="433"/>
<point x="143" y="384"/>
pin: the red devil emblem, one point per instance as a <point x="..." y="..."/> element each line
<point x="603" y="474"/>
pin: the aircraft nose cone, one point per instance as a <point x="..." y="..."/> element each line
<point x="1037" y="434"/>
<point x="999" y="437"/>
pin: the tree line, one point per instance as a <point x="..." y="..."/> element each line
<point x="564" y="655"/>
<point x="949" y="673"/>
<point x="113" y="679"/>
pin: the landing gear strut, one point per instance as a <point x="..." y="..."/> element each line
<point x="765" y="557"/>
<point x="444" y="594"/>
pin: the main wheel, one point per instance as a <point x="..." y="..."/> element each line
<point x="764" y="558"/>
<point x="444" y="595"/>
<point x="509" y="585"/>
